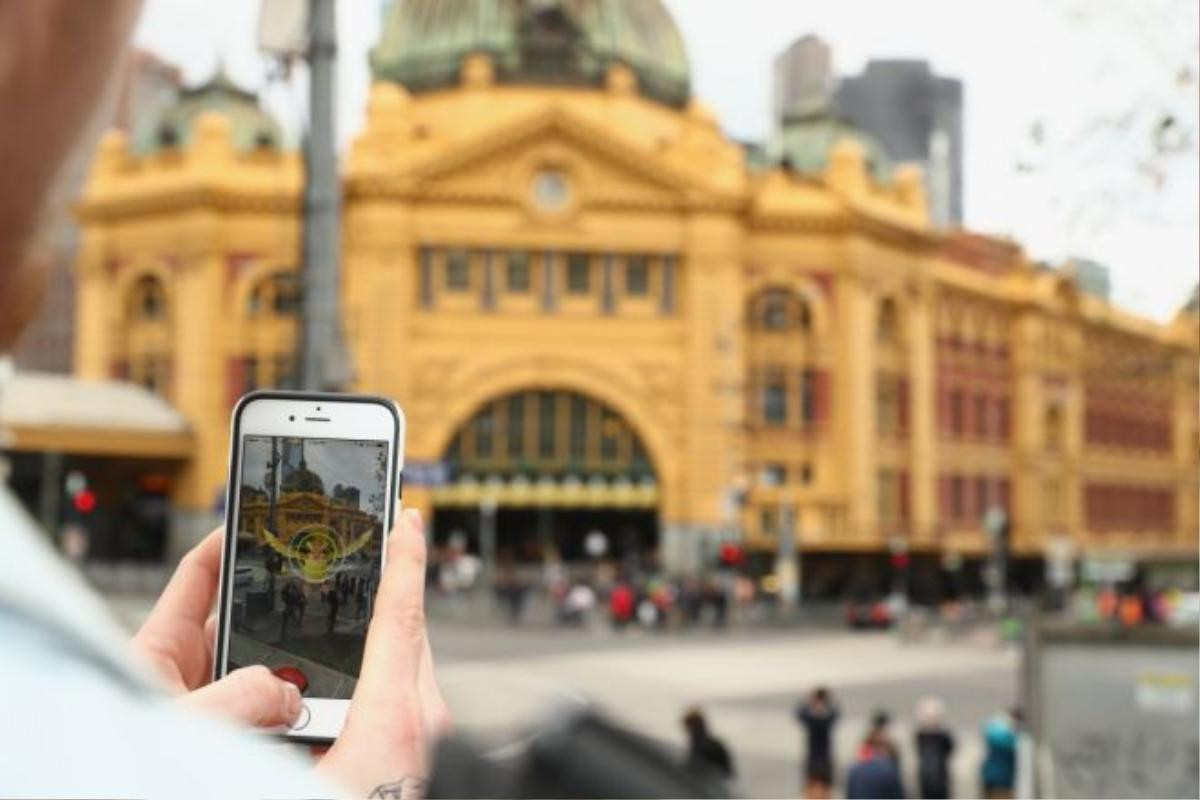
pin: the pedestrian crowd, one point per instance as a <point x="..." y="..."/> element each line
<point x="876" y="770"/>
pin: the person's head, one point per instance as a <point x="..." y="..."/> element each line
<point x="821" y="695"/>
<point x="931" y="712"/>
<point x="695" y="723"/>
<point x="56" y="61"/>
<point x="1017" y="715"/>
<point x="880" y="720"/>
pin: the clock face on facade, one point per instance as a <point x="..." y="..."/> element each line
<point x="551" y="191"/>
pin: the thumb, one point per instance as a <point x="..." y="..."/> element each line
<point x="250" y="696"/>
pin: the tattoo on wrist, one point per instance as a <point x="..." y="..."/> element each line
<point x="410" y="788"/>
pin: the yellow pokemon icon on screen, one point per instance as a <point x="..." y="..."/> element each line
<point x="316" y="551"/>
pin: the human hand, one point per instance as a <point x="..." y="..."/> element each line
<point x="177" y="640"/>
<point x="397" y="708"/>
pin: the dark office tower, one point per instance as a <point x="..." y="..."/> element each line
<point x="917" y="117"/>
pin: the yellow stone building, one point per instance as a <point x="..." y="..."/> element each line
<point x="598" y="313"/>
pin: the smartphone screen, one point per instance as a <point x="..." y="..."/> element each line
<point x="306" y="562"/>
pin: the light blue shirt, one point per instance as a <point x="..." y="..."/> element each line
<point x="81" y="717"/>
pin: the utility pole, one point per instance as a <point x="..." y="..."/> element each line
<point x="324" y="363"/>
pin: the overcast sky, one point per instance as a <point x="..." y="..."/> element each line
<point x="350" y="463"/>
<point x="1023" y="62"/>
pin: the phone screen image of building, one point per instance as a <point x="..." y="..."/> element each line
<point x="310" y="517"/>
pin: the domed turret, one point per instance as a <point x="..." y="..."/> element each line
<point x="808" y="136"/>
<point x="302" y="479"/>
<point x="251" y="127"/>
<point x="552" y="42"/>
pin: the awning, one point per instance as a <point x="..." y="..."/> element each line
<point x="41" y="412"/>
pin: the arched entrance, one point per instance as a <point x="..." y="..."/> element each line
<point x="539" y="470"/>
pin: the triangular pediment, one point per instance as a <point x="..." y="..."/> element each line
<point x="602" y="168"/>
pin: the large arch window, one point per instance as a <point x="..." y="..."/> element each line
<point x="539" y="433"/>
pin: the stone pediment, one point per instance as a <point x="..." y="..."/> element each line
<point x="501" y="165"/>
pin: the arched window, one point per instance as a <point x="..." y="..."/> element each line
<point x="143" y="353"/>
<point x="779" y="310"/>
<point x="147" y="300"/>
<point x="888" y="328"/>
<point x="277" y="295"/>
<point x="1054" y="427"/>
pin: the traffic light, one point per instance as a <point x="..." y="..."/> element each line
<point x="84" y="501"/>
<point x="732" y="555"/>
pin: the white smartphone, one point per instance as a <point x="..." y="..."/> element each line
<point x="314" y="481"/>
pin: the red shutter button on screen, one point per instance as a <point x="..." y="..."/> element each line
<point x="293" y="675"/>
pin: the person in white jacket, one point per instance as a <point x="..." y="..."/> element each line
<point x="85" y="711"/>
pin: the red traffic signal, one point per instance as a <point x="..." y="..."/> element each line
<point x="732" y="555"/>
<point x="84" y="501"/>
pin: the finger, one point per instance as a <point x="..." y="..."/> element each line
<point x="251" y="696"/>
<point x="210" y="639"/>
<point x="189" y="594"/>
<point x="392" y="656"/>
<point x="437" y="713"/>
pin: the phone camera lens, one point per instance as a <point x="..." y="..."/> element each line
<point x="292" y="418"/>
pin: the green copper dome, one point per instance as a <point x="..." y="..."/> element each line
<point x="807" y="138"/>
<point x="549" y="42"/>
<point x="252" y="128"/>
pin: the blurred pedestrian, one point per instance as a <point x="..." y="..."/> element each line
<point x="705" y="751"/>
<point x="879" y="736"/>
<point x="935" y="745"/>
<point x="877" y="775"/>
<point x="999" y="770"/>
<point x="621" y="604"/>
<point x="818" y="715"/>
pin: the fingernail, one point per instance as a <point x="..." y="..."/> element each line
<point x="414" y="519"/>
<point x="294" y="702"/>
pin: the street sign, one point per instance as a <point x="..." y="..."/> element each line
<point x="430" y="474"/>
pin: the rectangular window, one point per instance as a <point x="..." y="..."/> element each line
<point x="888" y="501"/>
<point x="887" y="411"/>
<point x="983" y="498"/>
<point x="768" y="521"/>
<point x="578" y="428"/>
<point x="773" y="475"/>
<point x="957" y="410"/>
<point x="806" y="474"/>
<point x="516" y="428"/>
<point x="981" y="415"/>
<point x="808" y="397"/>
<point x="958" y="508"/>
<point x="518" y="272"/>
<point x="458" y="271"/>
<point x="578" y="273"/>
<point x="637" y="276"/>
<point x="1002" y="422"/>
<point x="774" y="400"/>
<point x="546" y="424"/>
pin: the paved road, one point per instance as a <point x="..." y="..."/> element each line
<point x="748" y="682"/>
<point x="499" y="679"/>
